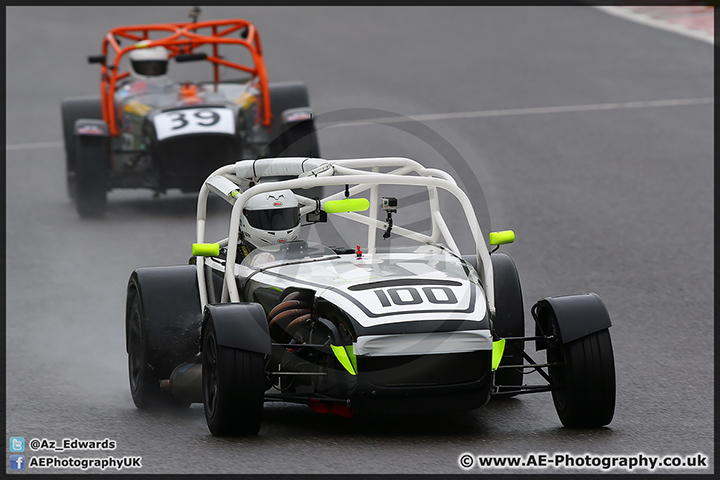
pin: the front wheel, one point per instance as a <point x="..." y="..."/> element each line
<point x="509" y="319"/>
<point x="144" y="381"/>
<point x="73" y="109"/>
<point x="233" y="387"/>
<point x="584" y="381"/>
<point x="300" y="140"/>
<point x="88" y="183"/>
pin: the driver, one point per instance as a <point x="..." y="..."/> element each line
<point x="271" y="218"/>
<point x="148" y="72"/>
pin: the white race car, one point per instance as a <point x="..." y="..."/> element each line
<point x="405" y="329"/>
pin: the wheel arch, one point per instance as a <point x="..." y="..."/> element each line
<point x="74" y="108"/>
<point x="509" y="319"/>
<point x="241" y="326"/>
<point x="171" y="306"/>
<point x="576" y="316"/>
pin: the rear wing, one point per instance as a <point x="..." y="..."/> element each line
<point x="181" y="39"/>
<point x="237" y="183"/>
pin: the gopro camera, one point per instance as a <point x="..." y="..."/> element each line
<point x="389" y="203"/>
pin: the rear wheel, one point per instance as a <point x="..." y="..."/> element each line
<point x="509" y="319"/>
<point x="92" y="157"/>
<point x="233" y="386"/>
<point x="584" y="381"/>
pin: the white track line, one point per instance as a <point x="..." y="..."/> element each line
<point x="452" y="116"/>
<point x="657" y="23"/>
<point x="526" y="111"/>
<point x="32" y="146"/>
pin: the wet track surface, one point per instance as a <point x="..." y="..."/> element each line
<point x="616" y="200"/>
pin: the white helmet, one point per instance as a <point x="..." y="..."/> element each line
<point x="148" y="62"/>
<point x="271" y="218"/>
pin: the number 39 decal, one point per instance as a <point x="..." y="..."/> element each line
<point x="194" y="120"/>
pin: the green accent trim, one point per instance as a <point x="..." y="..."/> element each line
<point x="342" y="356"/>
<point x="205" y="249"/>
<point x="497" y="353"/>
<point x="347" y="205"/>
<point x="234" y="193"/>
<point x="501" y="238"/>
<point x="351" y="355"/>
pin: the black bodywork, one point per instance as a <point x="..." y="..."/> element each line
<point x="402" y="384"/>
<point x="300" y="352"/>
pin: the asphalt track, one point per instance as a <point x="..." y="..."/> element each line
<point x="613" y="200"/>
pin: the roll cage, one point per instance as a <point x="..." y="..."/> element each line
<point x="237" y="183"/>
<point x="181" y="39"/>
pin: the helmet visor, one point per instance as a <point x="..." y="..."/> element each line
<point x="150" y="68"/>
<point x="274" y="219"/>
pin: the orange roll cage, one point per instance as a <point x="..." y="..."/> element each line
<point x="182" y="38"/>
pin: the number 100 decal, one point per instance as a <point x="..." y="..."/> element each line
<point x="412" y="296"/>
<point x="194" y="120"/>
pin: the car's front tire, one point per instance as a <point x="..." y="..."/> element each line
<point x="72" y="109"/>
<point x="509" y="319"/>
<point x="300" y="140"/>
<point x="144" y="380"/>
<point x="583" y="378"/>
<point x="92" y="165"/>
<point x="233" y="387"/>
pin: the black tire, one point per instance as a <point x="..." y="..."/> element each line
<point x="509" y="318"/>
<point x="144" y="380"/>
<point x="92" y="157"/>
<point x="294" y="140"/>
<point x="584" y="383"/>
<point x="299" y="140"/>
<point x="233" y="386"/>
<point x="72" y="109"/>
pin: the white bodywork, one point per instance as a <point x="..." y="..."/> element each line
<point x="232" y="183"/>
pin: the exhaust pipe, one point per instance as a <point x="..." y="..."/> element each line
<point x="185" y="383"/>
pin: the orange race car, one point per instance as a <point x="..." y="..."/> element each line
<point x="146" y="130"/>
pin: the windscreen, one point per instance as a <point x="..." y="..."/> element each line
<point x="267" y="255"/>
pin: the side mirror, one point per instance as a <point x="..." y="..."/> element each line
<point x="315" y="217"/>
<point x="501" y="238"/>
<point x="96" y="59"/>
<point x="190" y="57"/>
<point x="347" y="205"/>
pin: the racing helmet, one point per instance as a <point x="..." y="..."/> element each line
<point x="270" y="218"/>
<point x="146" y="62"/>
